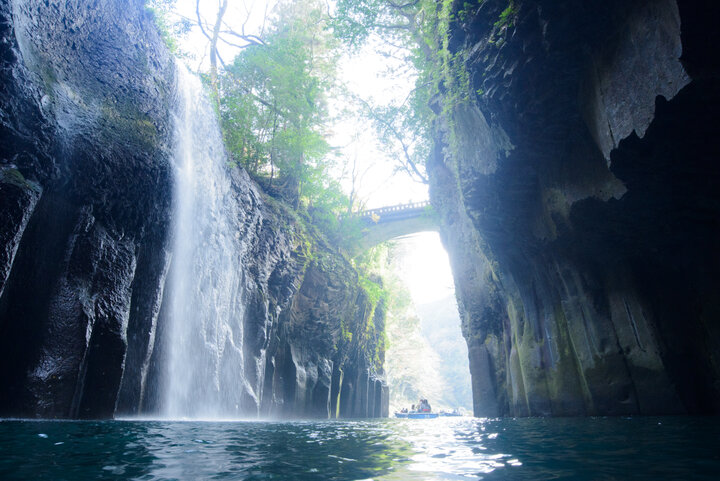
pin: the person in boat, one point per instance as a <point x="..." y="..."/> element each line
<point x="424" y="406"/>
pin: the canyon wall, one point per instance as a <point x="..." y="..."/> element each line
<point x="86" y="161"/>
<point x="579" y="202"/>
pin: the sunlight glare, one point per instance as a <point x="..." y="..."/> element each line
<point x="426" y="268"/>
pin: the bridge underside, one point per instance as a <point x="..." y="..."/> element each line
<point x="377" y="233"/>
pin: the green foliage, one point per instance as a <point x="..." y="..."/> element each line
<point x="429" y="212"/>
<point x="169" y="30"/>
<point x="403" y="131"/>
<point x="345" y="334"/>
<point x="454" y="76"/>
<point x="419" y="31"/>
<point x="507" y="17"/>
<point x="273" y="108"/>
<point x="272" y="102"/>
<point x="372" y="268"/>
<point x="354" y="21"/>
<point x="464" y="12"/>
<point x="274" y="115"/>
<point x="399" y="299"/>
<point x="373" y="288"/>
<point x="402" y="125"/>
<point x="12" y="176"/>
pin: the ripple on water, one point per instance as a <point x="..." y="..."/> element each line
<point x="381" y="450"/>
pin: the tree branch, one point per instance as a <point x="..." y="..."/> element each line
<point x="403" y="6"/>
<point x="200" y="20"/>
<point x="409" y="164"/>
<point x="251" y="39"/>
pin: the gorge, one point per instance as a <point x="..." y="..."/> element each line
<point x="575" y="191"/>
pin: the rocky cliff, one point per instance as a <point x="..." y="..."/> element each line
<point x="86" y="95"/>
<point x="579" y="202"/>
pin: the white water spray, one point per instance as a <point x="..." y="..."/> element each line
<point x="205" y="376"/>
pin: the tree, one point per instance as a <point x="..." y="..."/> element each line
<point x="396" y="22"/>
<point x="418" y="32"/>
<point x="402" y="130"/>
<point x="170" y="30"/>
<point x="400" y="27"/>
<point x="220" y="31"/>
<point x="273" y="100"/>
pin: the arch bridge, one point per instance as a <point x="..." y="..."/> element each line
<point x="385" y="223"/>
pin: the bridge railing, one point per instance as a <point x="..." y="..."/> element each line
<point x="393" y="209"/>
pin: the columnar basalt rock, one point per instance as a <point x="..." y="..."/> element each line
<point x="85" y="123"/>
<point x="578" y="182"/>
<point x="85" y="214"/>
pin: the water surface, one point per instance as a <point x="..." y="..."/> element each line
<point x="389" y="449"/>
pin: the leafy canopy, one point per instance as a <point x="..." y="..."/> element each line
<point x="418" y="31"/>
<point x="273" y="101"/>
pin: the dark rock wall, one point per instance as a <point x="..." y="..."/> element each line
<point x="85" y="122"/>
<point x="579" y="205"/>
<point x="86" y="95"/>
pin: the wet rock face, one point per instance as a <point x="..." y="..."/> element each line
<point x="320" y="358"/>
<point x="85" y="199"/>
<point x="579" y="184"/>
<point x="85" y="192"/>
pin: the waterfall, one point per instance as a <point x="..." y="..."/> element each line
<point x="204" y="371"/>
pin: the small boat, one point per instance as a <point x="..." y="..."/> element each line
<point x="422" y="411"/>
<point x="416" y="415"/>
<point x="422" y="415"/>
<point x="450" y="413"/>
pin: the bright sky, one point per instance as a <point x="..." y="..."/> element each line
<point x="252" y="13"/>
<point x="364" y="73"/>
<point x="426" y="268"/>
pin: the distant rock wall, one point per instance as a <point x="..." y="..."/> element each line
<point x="579" y="203"/>
<point x="86" y="95"/>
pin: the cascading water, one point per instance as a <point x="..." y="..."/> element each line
<point x="205" y="376"/>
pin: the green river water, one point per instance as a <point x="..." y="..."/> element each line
<point x="385" y="449"/>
